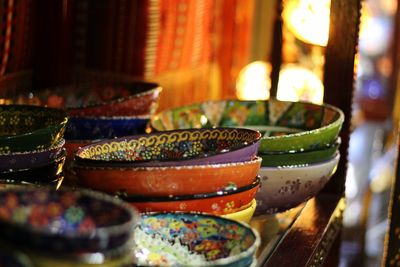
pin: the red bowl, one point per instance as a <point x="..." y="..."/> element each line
<point x="218" y="203"/>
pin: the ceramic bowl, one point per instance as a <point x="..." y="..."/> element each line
<point x="170" y="180"/>
<point x="283" y="188"/>
<point x="286" y="125"/>
<point x="243" y="215"/>
<point x="221" y="202"/>
<point x="302" y="157"/>
<point x="98" y="99"/>
<point x="30" y="159"/>
<point x="44" y="174"/>
<point x="174" y="148"/>
<point x="187" y="239"/>
<point x="65" y="221"/>
<point x="89" y="128"/>
<point x="28" y="128"/>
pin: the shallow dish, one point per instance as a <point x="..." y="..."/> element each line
<point x="98" y="99"/>
<point x="65" y="221"/>
<point x="29" y="128"/>
<point x="286" y="125"/>
<point x="174" y="148"/>
<point x="30" y="159"/>
<point x="218" y="203"/>
<point x="170" y="180"/>
<point x="299" y="157"/>
<point x="243" y="215"/>
<point x="198" y="240"/>
<point x="283" y="188"/>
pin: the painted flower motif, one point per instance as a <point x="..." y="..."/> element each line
<point x="213" y="254"/>
<point x="182" y="206"/>
<point x="20" y="215"/>
<point x="14" y="120"/>
<point x="38" y="217"/>
<point x="11" y="201"/>
<point x="74" y="214"/>
<point x="29" y="121"/>
<point x="68" y="199"/>
<point x="5" y="213"/>
<point x="86" y="225"/>
<point x="4" y="150"/>
<point x="229" y="206"/>
<point x="2" y="120"/>
<point x="54" y="209"/>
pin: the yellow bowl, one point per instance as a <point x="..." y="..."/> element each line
<point x="243" y="215"/>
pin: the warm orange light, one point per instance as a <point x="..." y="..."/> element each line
<point x="308" y="20"/>
<point x="253" y="82"/>
<point x="298" y="83"/>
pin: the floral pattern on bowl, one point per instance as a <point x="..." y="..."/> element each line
<point x="64" y="221"/>
<point x="28" y="128"/>
<point x="187" y="239"/>
<point x="174" y="148"/>
<point x="286" y="125"/>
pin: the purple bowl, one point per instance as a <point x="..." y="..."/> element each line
<point x="30" y="159"/>
<point x="173" y="148"/>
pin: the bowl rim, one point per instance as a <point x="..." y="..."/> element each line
<point x="334" y="159"/>
<point x="222" y="261"/>
<point x="137" y="138"/>
<point x="171" y="198"/>
<point x="98" y="231"/>
<point x="59" y="145"/>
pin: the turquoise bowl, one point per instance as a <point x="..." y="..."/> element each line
<point x="190" y="239"/>
<point x="29" y="128"/>
<point x="286" y="126"/>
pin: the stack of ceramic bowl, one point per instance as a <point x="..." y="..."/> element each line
<point x="186" y="239"/>
<point x="299" y="146"/>
<point x="31" y="145"/>
<point x="66" y="227"/>
<point x="203" y="170"/>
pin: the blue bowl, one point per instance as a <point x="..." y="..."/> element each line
<point x="90" y="128"/>
<point x="190" y="239"/>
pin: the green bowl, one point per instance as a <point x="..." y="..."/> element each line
<point x="287" y="126"/>
<point x="302" y="157"/>
<point x="28" y="128"/>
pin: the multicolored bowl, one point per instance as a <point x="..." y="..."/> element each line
<point x="286" y="125"/>
<point x="30" y="159"/>
<point x="170" y="180"/>
<point x="218" y="203"/>
<point x="98" y="99"/>
<point x="28" y="128"/>
<point x="65" y="221"/>
<point x="281" y="159"/>
<point x="174" y="148"/>
<point x="283" y="188"/>
<point x="89" y="128"/>
<point x="187" y="239"/>
<point x="243" y="215"/>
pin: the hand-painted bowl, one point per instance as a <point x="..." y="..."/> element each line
<point x="98" y="99"/>
<point x="286" y="125"/>
<point x="44" y="174"/>
<point x="276" y="159"/>
<point x="29" y="128"/>
<point x="65" y="221"/>
<point x="218" y="203"/>
<point x="90" y="128"/>
<point x="243" y="215"/>
<point x="187" y="239"/>
<point x="30" y="159"/>
<point x="283" y="188"/>
<point x="170" y="180"/>
<point x="174" y="148"/>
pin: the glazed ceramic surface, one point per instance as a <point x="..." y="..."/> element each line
<point x="283" y="188"/>
<point x="29" y="128"/>
<point x="220" y="202"/>
<point x="44" y="174"/>
<point x="184" y="239"/>
<point x="175" y="148"/>
<point x="64" y="221"/>
<point x="30" y="159"/>
<point x="90" y="128"/>
<point x="98" y="99"/>
<point x="243" y="215"/>
<point x="299" y="157"/>
<point x="170" y="180"/>
<point x="286" y="125"/>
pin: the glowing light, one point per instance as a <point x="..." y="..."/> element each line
<point x="308" y="20"/>
<point x="253" y="82"/>
<point x="297" y="83"/>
